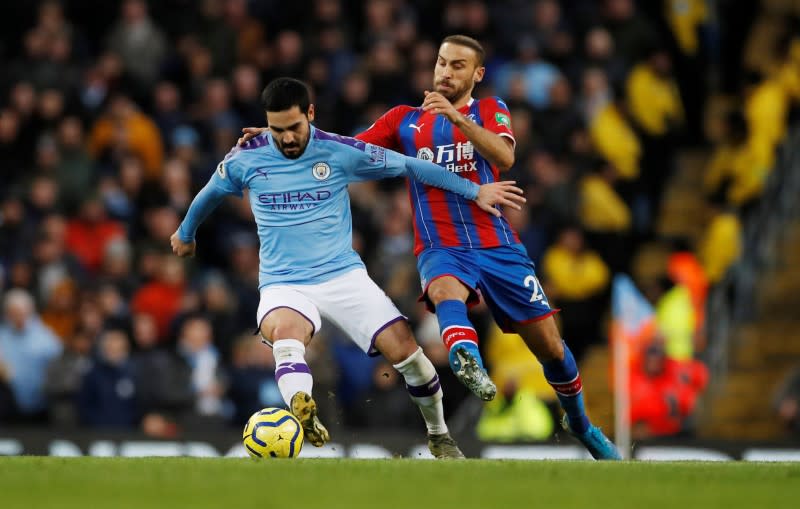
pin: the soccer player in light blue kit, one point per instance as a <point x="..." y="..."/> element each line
<point x="297" y="178"/>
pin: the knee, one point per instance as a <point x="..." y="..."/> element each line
<point x="396" y="343"/>
<point x="442" y="290"/>
<point x="286" y="329"/>
<point x="437" y="294"/>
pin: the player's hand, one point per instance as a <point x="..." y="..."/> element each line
<point x="249" y="134"/>
<point x="438" y="104"/>
<point x="499" y="193"/>
<point x="181" y="248"/>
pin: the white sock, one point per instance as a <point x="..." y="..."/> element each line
<point x="422" y="384"/>
<point x="291" y="370"/>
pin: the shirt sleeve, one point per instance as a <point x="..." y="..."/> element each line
<point x="226" y="180"/>
<point x="365" y="161"/>
<point x="229" y="176"/>
<point x="384" y="131"/>
<point x="371" y="162"/>
<point x="496" y="117"/>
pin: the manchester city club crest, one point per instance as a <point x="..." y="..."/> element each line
<point x="321" y="171"/>
<point x="425" y="154"/>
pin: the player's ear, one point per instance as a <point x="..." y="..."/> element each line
<point x="477" y="77"/>
<point x="310" y="112"/>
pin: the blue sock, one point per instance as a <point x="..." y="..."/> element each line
<point x="457" y="330"/>
<point x="563" y="376"/>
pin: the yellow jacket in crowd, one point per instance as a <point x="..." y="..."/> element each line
<point x="745" y="167"/>
<point x="616" y="141"/>
<point x="141" y="136"/>
<point x="522" y="418"/>
<point x="513" y="363"/>
<point x="676" y="322"/>
<point x="574" y="276"/>
<point x="766" y="109"/>
<point x="684" y="18"/>
<point x="600" y="207"/>
<point x="721" y="245"/>
<point x="654" y="101"/>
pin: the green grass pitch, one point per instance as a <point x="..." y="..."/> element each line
<point x="94" y="483"/>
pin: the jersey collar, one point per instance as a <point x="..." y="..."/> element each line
<point x="468" y="105"/>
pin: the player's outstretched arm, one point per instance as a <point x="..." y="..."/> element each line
<point x="486" y="195"/>
<point x="209" y="198"/>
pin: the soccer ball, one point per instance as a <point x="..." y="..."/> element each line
<point x="273" y="433"/>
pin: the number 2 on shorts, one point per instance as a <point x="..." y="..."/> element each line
<point x="537" y="294"/>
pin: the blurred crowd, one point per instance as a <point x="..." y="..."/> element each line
<point x="114" y="113"/>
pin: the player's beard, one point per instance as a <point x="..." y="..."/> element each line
<point x="451" y="93"/>
<point x="296" y="154"/>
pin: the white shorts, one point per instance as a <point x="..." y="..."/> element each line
<point x="352" y="302"/>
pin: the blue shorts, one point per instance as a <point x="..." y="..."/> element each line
<point x="504" y="276"/>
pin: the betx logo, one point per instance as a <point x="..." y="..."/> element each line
<point x="454" y="157"/>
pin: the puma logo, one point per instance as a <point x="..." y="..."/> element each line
<point x="417" y="127"/>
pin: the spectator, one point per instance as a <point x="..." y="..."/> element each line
<point x="537" y="75"/>
<point x="74" y="172"/>
<point x="653" y="95"/>
<point x="88" y="235"/>
<point x="740" y="165"/>
<point x="577" y="281"/>
<point x="721" y="243"/>
<point x="124" y="129"/>
<point x="107" y="397"/>
<point x="16" y="230"/>
<point x="631" y="31"/>
<point x="252" y="379"/>
<point x="385" y="404"/>
<point x="787" y="401"/>
<point x="161" y="298"/>
<point x="675" y="318"/>
<point x="766" y="106"/>
<point x="559" y="119"/>
<point x="656" y="108"/>
<point x="664" y="393"/>
<point x="64" y="378"/>
<point x="196" y="348"/>
<point x="60" y="309"/>
<point x="168" y="113"/>
<point x="139" y="42"/>
<point x="611" y="130"/>
<point x="8" y="407"/>
<point x="515" y="415"/>
<point x="163" y="381"/>
<point x="27" y="347"/>
<point x="604" y="215"/>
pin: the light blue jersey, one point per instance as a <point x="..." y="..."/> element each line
<point x="301" y="206"/>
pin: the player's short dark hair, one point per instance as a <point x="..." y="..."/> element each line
<point x="283" y="93"/>
<point x="469" y="42"/>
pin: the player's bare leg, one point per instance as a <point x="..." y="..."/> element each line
<point x="560" y="370"/>
<point x="397" y="344"/>
<point x="289" y="333"/>
<point x="449" y="297"/>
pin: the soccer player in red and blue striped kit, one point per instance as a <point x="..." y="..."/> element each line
<point x="461" y="250"/>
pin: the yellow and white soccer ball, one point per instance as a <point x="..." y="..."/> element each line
<point x="273" y="433"/>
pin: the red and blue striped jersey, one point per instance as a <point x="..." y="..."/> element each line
<point x="442" y="218"/>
